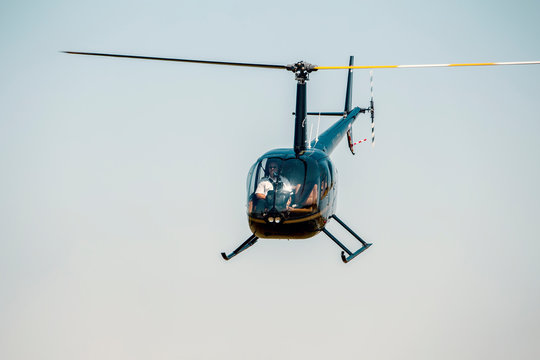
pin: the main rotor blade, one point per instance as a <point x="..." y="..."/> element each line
<point x="268" y="66"/>
<point x="425" y="65"/>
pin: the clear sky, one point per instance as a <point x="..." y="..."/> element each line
<point x="122" y="181"/>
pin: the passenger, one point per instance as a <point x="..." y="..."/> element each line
<point x="312" y="198"/>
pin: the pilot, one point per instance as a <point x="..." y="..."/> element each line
<point x="273" y="172"/>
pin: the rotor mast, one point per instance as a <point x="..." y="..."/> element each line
<point x="301" y="70"/>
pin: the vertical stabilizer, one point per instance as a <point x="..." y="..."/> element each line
<point x="348" y="94"/>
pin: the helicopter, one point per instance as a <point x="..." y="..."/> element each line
<point x="292" y="192"/>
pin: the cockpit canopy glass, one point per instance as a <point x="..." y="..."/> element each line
<point x="284" y="186"/>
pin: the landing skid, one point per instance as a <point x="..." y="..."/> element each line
<point x="352" y="255"/>
<point x="246" y="244"/>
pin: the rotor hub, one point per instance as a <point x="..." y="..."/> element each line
<point x="301" y="70"/>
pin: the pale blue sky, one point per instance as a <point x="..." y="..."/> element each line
<point x="122" y="181"/>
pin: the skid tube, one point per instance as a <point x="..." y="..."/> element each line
<point x="245" y="245"/>
<point x="352" y="255"/>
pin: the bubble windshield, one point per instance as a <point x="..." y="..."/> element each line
<point x="288" y="187"/>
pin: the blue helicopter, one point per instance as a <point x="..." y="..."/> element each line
<point x="291" y="193"/>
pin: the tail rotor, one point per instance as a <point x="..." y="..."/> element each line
<point x="372" y="110"/>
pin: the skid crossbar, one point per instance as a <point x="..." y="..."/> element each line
<point x="352" y="255"/>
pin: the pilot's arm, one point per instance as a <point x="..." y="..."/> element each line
<point x="262" y="189"/>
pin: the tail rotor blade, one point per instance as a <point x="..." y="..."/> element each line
<point x="372" y="110"/>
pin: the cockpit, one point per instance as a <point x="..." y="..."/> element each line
<point x="290" y="196"/>
<point x="281" y="188"/>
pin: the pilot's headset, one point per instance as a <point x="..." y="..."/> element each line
<point x="277" y="163"/>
